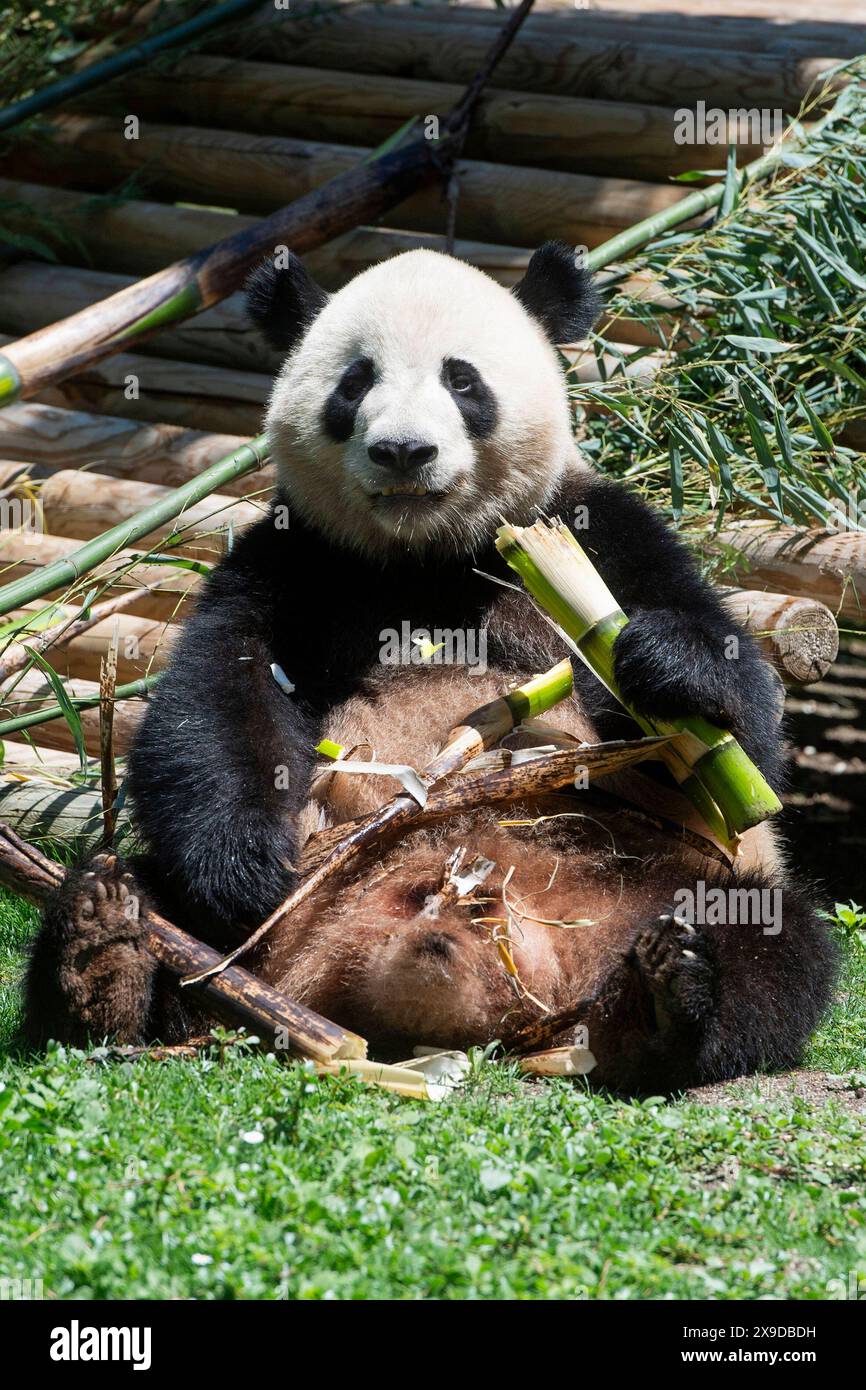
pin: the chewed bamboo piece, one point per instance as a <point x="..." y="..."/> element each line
<point x="711" y="768"/>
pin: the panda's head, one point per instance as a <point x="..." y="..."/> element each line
<point x="422" y="401"/>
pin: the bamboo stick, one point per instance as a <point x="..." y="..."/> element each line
<point x="45" y="438"/>
<point x="383" y="43"/>
<point x="708" y="763"/>
<point x="169" y="506"/>
<point x="799" y="635"/>
<point x="628" y="139"/>
<point x="80" y="505"/>
<point x="233" y="994"/>
<point x="498" y="202"/>
<point x="362" y="193"/>
<point x="162" y="591"/>
<point x="827" y="566"/>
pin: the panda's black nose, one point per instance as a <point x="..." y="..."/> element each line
<point x="402" y="455"/>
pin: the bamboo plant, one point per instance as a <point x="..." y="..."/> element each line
<point x="711" y="768"/>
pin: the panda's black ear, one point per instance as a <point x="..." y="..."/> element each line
<point x="559" y="293"/>
<point x="282" y="301"/>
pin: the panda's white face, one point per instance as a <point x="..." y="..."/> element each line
<point x="421" y="405"/>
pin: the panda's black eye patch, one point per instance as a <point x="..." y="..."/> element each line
<point x="341" y="407"/>
<point x="472" y="396"/>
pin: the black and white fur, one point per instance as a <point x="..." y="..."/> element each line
<point x="416" y="407"/>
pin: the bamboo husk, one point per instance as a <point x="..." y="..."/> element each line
<point x="50" y="355"/>
<point x="602" y="68"/>
<point x="32" y="694"/>
<point x="710" y="766"/>
<point x="499" y="202"/>
<point x="233" y="994"/>
<point x="828" y="566"/>
<point x="79" y="504"/>
<point x="799" y="635"/>
<point x="46" y="438"/>
<point x="627" y="139"/>
<point x="163" y="590"/>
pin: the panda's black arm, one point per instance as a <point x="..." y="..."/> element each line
<point x="221" y="765"/>
<point x="681" y="653"/>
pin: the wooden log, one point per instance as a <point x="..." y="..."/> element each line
<point x="499" y="202"/>
<point x="180" y="290"/>
<point x="81" y="504"/>
<point x="828" y="566"/>
<point x="33" y="691"/>
<point x="142" y="236"/>
<point x="41" y="810"/>
<point x="799" y="635"/>
<point x="701" y="29"/>
<point x="46" y="438"/>
<point x="143" y="645"/>
<point x="600" y="68"/>
<point x="234" y="994"/>
<point x="574" y="134"/>
<point x="25" y="553"/>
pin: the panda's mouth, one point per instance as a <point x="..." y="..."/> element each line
<point x="408" y="492"/>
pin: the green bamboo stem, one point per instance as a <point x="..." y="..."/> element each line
<point x="118" y="63"/>
<point x="630" y="238"/>
<point x="49" y="712"/>
<point x="63" y="572"/>
<point x="711" y="768"/>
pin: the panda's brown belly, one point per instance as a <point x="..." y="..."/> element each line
<point x="406" y="720"/>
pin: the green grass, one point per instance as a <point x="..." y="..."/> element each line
<point x="247" y="1178"/>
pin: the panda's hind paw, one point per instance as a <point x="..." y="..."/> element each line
<point x="674" y="961"/>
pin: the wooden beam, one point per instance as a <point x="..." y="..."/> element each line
<point x="601" y="68"/>
<point x="47" y="438"/>
<point x="143" y="645"/>
<point x="499" y="202"/>
<point x="81" y="504"/>
<point x="799" y="635"/>
<point x="574" y="134"/>
<point x="828" y="566"/>
<point x="33" y="691"/>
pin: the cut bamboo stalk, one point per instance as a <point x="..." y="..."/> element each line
<point x="84" y="558"/>
<point x="32" y="698"/>
<point x="628" y="139"/>
<point x="144" y="644"/>
<point x="384" y="43"/>
<point x="828" y="566"/>
<point x="180" y="290"/>
<point x="708" y="763"/>
<point x="47" y="438"/>
<point x="498" y="202"/>
<point x="558" y="1061"/>
<point x="164" y="590"/>
<point x="80" y="504"/>
<point x="234" y="994"/>
<point x="799" y="635"/>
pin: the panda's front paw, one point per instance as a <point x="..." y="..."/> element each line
<point x="669" y="666"/>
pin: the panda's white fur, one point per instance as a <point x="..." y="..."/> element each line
<point x="408" y="314"/>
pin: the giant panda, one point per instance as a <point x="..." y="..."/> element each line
<point x="417" y="406"/>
